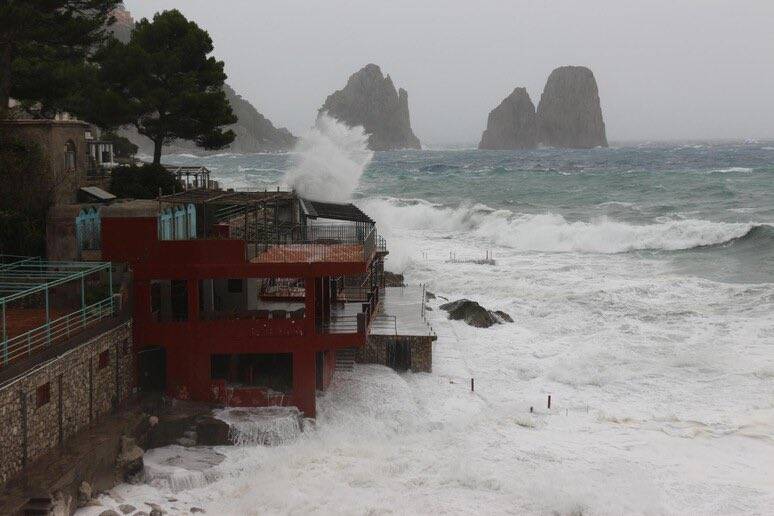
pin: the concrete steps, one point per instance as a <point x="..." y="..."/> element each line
<point x="345" y="359"/>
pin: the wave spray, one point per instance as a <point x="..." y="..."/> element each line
<point x="331" y="159"/>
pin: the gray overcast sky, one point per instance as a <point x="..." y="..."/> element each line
<point x="667" y="69"/>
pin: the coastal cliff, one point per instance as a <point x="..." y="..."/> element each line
<point x="512" y="124"/>
<point x="371" y="100"/>
<point x="254" y="132"/>
<point x="569" y="114"/>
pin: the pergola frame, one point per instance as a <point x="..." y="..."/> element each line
<point x="21" y="277"/>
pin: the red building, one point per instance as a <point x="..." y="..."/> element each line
<point x="245" y="298"/>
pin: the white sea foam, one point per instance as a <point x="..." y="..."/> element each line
<point x="733" y="170"/>
<point x="551" y="232"/>
<point x="331" y="158"/>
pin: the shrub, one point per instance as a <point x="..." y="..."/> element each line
<point x="143" y="182"/>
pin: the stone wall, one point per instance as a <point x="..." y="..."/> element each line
<point x="376" y="351"/>
<point x="54" y="401"/>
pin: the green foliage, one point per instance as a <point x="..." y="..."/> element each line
<point x="45" y="47"/>
<point x="28" y="192"/>
<point x="122" y="147"/>
<point x="170" y="88"/>
<point x="143" y="182"/>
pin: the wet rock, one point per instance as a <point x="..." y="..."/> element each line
<point x="129" y="461"/>
<point x="569" y="114"/>
<point x="157" y="512"/>
<point x="503" y="316"/>
<point x="474" y="314"/>
<point x="470" y="312"/>
<point x="84" y="494"/>
<point x="393" y="279"/>
<point x="512" y="124"/>
<point x="370" y="99"/>
<point x="212" y="431"/>
<point x="196" y="509"/>
<point x="429" y="295"/>
<point x="126" y="508"/>
<point x="109" y="512"/>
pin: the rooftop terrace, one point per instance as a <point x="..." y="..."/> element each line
<point x="44" y="302"/>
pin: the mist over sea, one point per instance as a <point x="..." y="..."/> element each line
<point x="641" y="282"/>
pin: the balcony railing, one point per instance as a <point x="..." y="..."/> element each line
<point x="38" y="339"/>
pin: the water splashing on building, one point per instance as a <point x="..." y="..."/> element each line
<point x="331" y="159"/>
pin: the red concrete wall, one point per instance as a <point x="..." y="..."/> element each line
<point x="190" y="343"/>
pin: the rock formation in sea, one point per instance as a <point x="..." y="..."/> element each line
<point x="474" y="314"/>
<point x="512" y="124"/>
<point x="371" y="100"/>
<point x="254" y="132"/>
<point x="569" y="113"/>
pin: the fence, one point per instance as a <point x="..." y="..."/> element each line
<point x="63" y="328"/>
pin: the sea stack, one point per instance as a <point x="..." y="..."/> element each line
<point x="371" y="100"/>
<point x="512" y="124"/>
<point x="569" y="114"/>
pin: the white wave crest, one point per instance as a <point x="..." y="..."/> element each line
<point x="551" y="232"/>
<point x="331" y="159"/>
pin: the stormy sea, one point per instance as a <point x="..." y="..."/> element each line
<point x="640" y="279"/>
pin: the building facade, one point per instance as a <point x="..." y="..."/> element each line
<point x="242" y="298"/>
<point x="75" y="156"/>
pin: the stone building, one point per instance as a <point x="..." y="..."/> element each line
<point x="76" y="157"/>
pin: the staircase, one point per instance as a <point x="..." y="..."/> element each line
<point x="345" y="359"/>
<point x="41" y="505"/>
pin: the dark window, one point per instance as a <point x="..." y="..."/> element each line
<point x="43" y="394"/>
<point x="272" y="371"/>
<point x="235" y="286"/>
<point x="70" y="156"/>
<point x="104" y="359"/>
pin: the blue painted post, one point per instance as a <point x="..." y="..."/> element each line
<point x="5" y="338"/>
<point x="48" y="320"/>
<point x="83" y="301"/>
<point x="110" y="287"/>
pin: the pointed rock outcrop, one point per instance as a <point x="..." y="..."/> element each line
<point x="569" y="114"/>
<point x="512" y="124"/>
<point x="371" y="100"/>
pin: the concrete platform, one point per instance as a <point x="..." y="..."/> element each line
<point x="401" y="313"/>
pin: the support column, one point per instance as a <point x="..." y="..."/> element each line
<point x="304" y="382"/>
<point x="193" y="299"/>
<point x="309" y="306"/>
<point x="326" y="299"/>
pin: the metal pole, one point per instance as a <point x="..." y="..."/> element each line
<point x="83" y="300"/>
<point x="5" y="338"/>
<point x="110" y="287"/>
<point x="48" y="320"/>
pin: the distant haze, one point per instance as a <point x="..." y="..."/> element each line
<point x="666" y="69"/>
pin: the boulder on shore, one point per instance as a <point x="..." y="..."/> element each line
<point x="393" y="279"/>
<point x="512" y="124"/>
<point x="370" y="99"/>
<point x="569" y="114"/>
<point x="474" y="314"/>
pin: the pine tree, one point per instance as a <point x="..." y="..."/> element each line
<point x="45" y="46"/>
<point x="169" y="87"/>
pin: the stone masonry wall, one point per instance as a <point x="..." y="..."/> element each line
<point x="53" y="402"/>
<point x="375" y="351"/>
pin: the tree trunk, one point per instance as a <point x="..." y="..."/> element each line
<point x="5" y="78"/>
<point x="157" y="144"/>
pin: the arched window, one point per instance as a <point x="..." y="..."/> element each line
<point x="70" y="155"/>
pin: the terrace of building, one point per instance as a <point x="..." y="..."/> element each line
<point x="45" y="304"/>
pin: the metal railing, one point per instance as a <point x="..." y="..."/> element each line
<point x="337" y="243"/>
<point x="63" y="328"/>
<point x="381" y="244"/>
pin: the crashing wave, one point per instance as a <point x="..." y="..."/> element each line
<point x="551" y="232"/>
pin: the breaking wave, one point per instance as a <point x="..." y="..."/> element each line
<point x="331" y="159"/>
<point x="551" y="232"/>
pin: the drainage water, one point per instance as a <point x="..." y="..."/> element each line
<point x="264" y="426"/>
